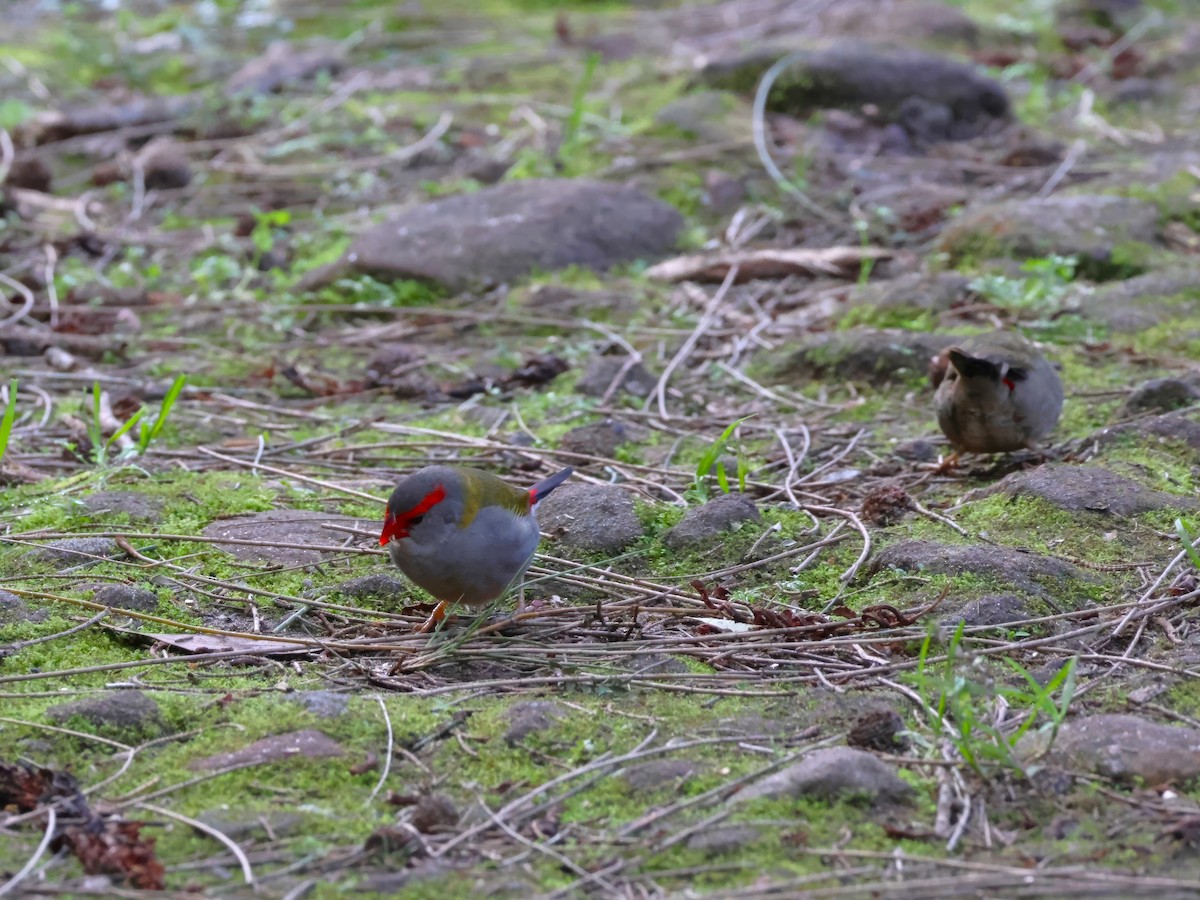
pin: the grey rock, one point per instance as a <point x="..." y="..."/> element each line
<point x="598" y="439"/>
<point x="655" y="774"/>
<point x="723" y="193"/>
<point x="282" y="526"/>
<point x="1088" y="488"/>
<point x="13" y="609"/>
<point x="597" y="518"/>
<point x="72" y="552"/>
<point x="325" y="704"/>
<point x="113" y="713"/>
<point x="602" y="370"/>
<point x="504" y="232"/>
<point x="904" y="21"/>
<point x="829" y="773"/>
<point x="126" y="596"/>
<point x="1026" y="571"/>
<point x="656" y="664"/>
<point x="1160" y="395"/>
<point x="724" y="839"/>
<point x="305" y="744"/>
<point x="1125" y="747"/>
<point x="165" y="165"/>
<point x="957" y="102"/>
<point x="434" y="812"/>
<point x="136" y="505"/>
<point x="1087" y="226"/>
<point x="379" y="585"/>
<point x="1138" y="90"/>
<point x="918" y="291"/>
<point x="284" y="62"/>
<point x="530" y="717"/>
<point x="918" y="450"/>
<point x="710" y="115"/>
<point x="1138" y="303"/>
<point x="994" y="609"/>
<point x="260" y="826"/>
<point x="1169" y="427"/>
<point x="407" y="881"/>
<point x="877" y="356"/>
<point x="878" y="729"/>
<point x="710" y="520"/>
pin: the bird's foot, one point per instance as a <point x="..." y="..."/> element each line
<point x="948" y="464"/>
<point x="435" y="618"/>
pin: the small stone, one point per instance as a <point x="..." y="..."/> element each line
<point x="704" y="523"/>
<point x="878" y="729"/>
<point x="600" y="439"/>
<point x="126" y="596"/>
<point x="1167" y="427"/>
<point x="114" y="713"/>
<point x="916" y="291"/>
<point x="830" y="772"/>
<point x="530" y="717"/>
<point x="1088" y="488"/>
<point x="1160" y="395"/>
<point x="597" y="518"/>
<point x="875" y="356"/>
<point x="324" y="704"/>
<point x="919" y="450"/>
<point x="504" y="232"/>
<point x="136" y="505"/>
<point x="165" y="165"/>
<point x="723" y="839"/>
<point x="285" y="62"/>
<point x="386" y="586"/>
<point x="656" y="774"/>
<point x="13" y="609"/>
<point x="306" y="744"/>
<point x="656" y="664"/>
<point x="30" y="173"/>
<point x="1125" y="747"/>
<point x="1087" y="226"/>
<point x="709" y="115"/>
<point x="1025" y="571"/>
<point x="261" y="826"/>
<point x="71" y="552"/>
<point x="277" y="527"/>
<point x="433" y="813"/>
<point x="723" y="193"/>
<point x="994" y="609"/>
<point x="601" y="370"/>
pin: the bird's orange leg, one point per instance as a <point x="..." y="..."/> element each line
<point x="949" y="464"/>
<point x="435" y="618"/>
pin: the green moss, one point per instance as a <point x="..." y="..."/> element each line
<point x="908" y="318"/>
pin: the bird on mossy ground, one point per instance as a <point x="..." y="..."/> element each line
<point x="995" y="394"/>
<point x="463" y="534"/>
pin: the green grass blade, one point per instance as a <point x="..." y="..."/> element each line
<point x="10" y="413"/>
<point x="1188" y="537"/>
<point x="150" y="431"/>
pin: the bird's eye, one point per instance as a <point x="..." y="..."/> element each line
<point x="416" y="520"/>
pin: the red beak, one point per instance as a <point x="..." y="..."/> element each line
<point x="391" y="529"/>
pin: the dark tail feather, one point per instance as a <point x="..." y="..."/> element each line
<point x="973" y="366"/>
<point x="542" y="488"/>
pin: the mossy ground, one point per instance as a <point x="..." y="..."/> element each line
<point x="624" y="674"/>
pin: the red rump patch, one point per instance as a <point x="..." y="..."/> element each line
<point x="1009" y="383"/>
<point x="396" y="526"/>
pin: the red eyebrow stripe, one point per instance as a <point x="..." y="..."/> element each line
<point x="432" y="499"/>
